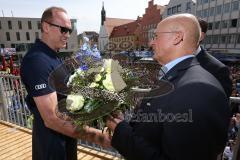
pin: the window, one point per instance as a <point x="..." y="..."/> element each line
<point x="205" y="13"/>
<point x="27" y="36"/>
<point x="205" y="1"/>
<point x="210" y="26"/>
<point x="37" y="35"/>
<point x="231" y="38"/>
<point x="211" y="11"/>
<point x="233" y="23"/>
<point x="169" y="11"/>
<point x="18" y="36"/>
<point x="238" y="38"/>
<point x="207" y="40"/>
<point x="228" y="39"/>
<point x="215" y="39"/>
<point x="19" y="24"/>
<point x="174" y="10"/>
<point x="199" y="13"/>
<point x="8" y="36"/>
<point x="179" y="8"/>
<point x="219" y="9"/>
<point x="188" y="5"/>
<point x="226" y="7"/>
<point x="20" y="47"/>
<point x="199" y="1"/>
<point x="235" y="6"/>
<point x="29" y="25"/>
<point x="216" y="25"/>
<point x="13" y="45"/>
<point x="224" y="24"/>
<point x="39" y="24"/>
<point x="223" y="39"/>
<point x="9" y="25"/>
<point x="2" y="46"/>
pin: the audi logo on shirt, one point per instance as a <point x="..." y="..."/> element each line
<point x="40" y="86"/>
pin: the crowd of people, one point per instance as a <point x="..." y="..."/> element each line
<point x="235" y="73"/>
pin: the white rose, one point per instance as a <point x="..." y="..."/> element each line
<point x="93" y="85"/>
<point x="98" y="77"/>
<point x="107" y="64"/>
<point x="80" y="72"/>
<point x="114" y="82"/>
<point x="74" y="102"/>
<point x="107" y="83"/>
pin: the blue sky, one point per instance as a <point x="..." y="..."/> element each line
<point x="87" y="12"/>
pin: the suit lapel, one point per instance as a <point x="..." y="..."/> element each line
<point x="166" y="85"/>
<point x="179" y="68"/>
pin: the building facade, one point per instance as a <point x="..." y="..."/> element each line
<point x="180" y="6"/>
<point x="223" y="17"/>
<point x="106" y="28"/>
<point x="150" y="19"/>
<point x="131" y="34"/>
<point x="21" y="33"/>
<point x="124" y="36"/>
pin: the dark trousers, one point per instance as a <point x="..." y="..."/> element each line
<point x="50" y="145"/>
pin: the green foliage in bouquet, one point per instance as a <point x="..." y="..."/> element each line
<point x="98" y="90"/>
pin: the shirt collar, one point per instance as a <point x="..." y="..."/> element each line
<point x="197" y="51"/>
<point x="47" y="50"/>
<point x="171" y="64"/>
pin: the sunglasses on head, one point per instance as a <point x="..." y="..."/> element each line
<point x="62" y="29"/>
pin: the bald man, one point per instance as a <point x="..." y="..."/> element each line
<point x="189" y="123"/>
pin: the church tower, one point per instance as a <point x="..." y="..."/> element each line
<point x="103" y="13"/>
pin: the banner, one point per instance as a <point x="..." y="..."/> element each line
<point x="7" y="51"/>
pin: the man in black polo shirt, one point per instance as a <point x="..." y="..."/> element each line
<point x="52" y="137"/>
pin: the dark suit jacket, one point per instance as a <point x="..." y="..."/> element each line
<point x="191" y="123"/>
<point x="216" y="68"/>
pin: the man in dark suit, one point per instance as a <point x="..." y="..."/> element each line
<point x="211" y="64"/>
<point x="190" y="122"/>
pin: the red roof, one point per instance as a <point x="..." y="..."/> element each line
<point x="110" y="23"/>
<point x="125" y="30"/>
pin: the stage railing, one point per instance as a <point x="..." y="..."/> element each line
<point x="13" y="109"/>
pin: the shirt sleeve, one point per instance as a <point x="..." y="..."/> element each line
<point x="35" y="73"/>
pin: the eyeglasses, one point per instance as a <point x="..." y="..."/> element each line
<point x="154" y="37"/>
<point x="62" y="29"/>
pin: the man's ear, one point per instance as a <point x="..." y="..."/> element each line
<point x="178" y="37"/>
<point x="202" y="36"/>
<point x="45" y="27"/>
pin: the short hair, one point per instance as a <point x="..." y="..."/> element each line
<point x="48" y="14"/>
<point x="203" y="25"/>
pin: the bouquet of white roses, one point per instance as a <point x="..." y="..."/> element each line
<point x="95" y="87"/>
<point x="97" y="90"/>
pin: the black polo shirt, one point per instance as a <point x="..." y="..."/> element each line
<point x="36" y="67"/>
<point x="38" y="63"/>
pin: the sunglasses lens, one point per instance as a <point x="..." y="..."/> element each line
<point x="65" y="30"/>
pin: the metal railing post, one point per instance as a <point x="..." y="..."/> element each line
<point x="3" y="105"/>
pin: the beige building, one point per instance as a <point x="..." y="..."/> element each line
<point x="223" y="19"/>
<point x="180" y="6"/>
<point x="124" y="36"/>
<point x="21" y="33"/>
<point x="106" y="28"/>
